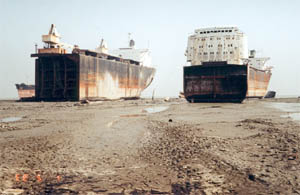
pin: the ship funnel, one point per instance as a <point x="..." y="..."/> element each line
<point x="252" y="54"/>
<point x="131" y="43"/>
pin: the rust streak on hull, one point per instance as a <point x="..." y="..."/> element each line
<point x="258" y="82"/>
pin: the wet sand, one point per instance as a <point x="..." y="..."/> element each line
<point x="148" y="147"/>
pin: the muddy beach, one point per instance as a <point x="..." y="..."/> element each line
<point x="150" y="147"/>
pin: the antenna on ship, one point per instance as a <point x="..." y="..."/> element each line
<point x="129" y="36"/>
<point x="36" y="47"/>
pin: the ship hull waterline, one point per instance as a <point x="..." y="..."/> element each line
<point x="74" y="77"/>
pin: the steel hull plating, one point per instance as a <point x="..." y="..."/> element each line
<point x="78" y="77"/>
<point x="221" y="82"/>
<point x="215" y="83"/>
<point x="258" y="81"/>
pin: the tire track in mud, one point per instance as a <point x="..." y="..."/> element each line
<point x="199" y="169"/>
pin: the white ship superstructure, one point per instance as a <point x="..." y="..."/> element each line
<point x="257" y="62"/>
<point x="140" y="55"/>
<point x="128" y="53"/>
<point x="217" y="44"/>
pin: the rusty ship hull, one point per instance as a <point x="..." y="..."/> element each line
<point x="258" y="82"/>
<point x="215" y="82"/>
<point x="87" y="75"/>
<point x="222" y="82"/>
<point x="25" y="91"/>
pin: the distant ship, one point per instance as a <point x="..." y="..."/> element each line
<point x="25" y="91"/>
<point x="222" y="69"/>
<point x="90" y="74"/>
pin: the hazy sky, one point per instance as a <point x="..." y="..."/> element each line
<point x="272" y="28"/>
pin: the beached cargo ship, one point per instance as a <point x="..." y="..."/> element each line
<point x="221" y="68"/>
<point x="25" y="91"/>
<point x="90" y="74"/>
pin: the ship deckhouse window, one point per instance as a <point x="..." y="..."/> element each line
<point x="211" y="53"/>
<point x="215" y="31"/>
<point x="226" y="30"/>
<point x="203" y="39"/>
<point x="231" y="52"/>
<point x="211" y="38"/>
<point x="205" y="53"/>
<point x="230" y="30"/>
<point x="222" y="30"/>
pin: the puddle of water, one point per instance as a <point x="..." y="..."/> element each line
<point x="292" y="108"/>
<point x="287" y="107"/>
<point x="132" y="115"/>
<point x="10" y="119"/>
<point x="294" y="116"/>
<point x="156" y="109"/>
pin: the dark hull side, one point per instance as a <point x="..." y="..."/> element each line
<point x="215" y="83"/>
<point x="78" y="77"/>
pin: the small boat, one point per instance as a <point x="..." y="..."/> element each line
<point x="25" y="91"/>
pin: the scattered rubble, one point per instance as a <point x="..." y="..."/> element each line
<point x="67" y="149"/>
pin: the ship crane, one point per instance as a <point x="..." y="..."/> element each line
<point x="52" y="39"/>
